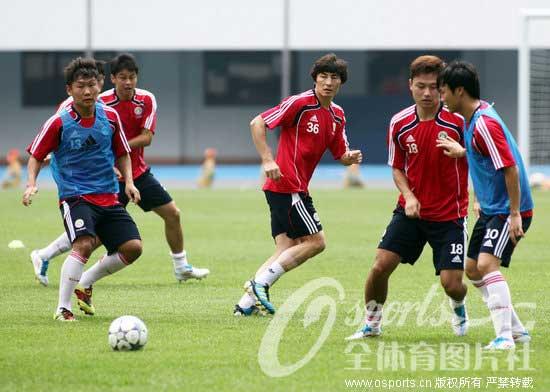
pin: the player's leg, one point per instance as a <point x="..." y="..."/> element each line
<point x="79" y="220"/>
<point x="121" y="238"/>
<point x="496" y="251"/>
<point x="155" y="198"/>
<point x="448" y="241"/>
<point x="247" y="304"/>
<point x="295" y="216"/>
<point x="41" y="258"/>
<point x="402" y="242"/>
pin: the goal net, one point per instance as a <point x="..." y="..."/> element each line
<point x="534" y="87"/>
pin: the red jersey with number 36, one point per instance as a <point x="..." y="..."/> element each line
<point x="439" y="183"/>
<point x="307" y="131"/>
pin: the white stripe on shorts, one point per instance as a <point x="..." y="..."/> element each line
<point x="503" y="239"/>
<point x="308" y="220"/>
<point x="68" y="221"/>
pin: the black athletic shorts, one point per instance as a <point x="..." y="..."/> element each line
<point x="113" y="225"/>
<point x="293" y="214"/>
<point x="152" y="194"/>
<point x="491" y="235"/>
<point x="407" y="237"/>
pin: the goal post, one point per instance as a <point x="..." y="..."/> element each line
<point x="534" y="87"/>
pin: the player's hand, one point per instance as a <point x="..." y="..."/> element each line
<point x="451" y="147"/>
<point x="133" y="193"/>
<point x="412" y="206"/>
<point x="477" y="209"/>
<point x="351" y="157"/>
<point x="30" y="191"/>
<point x="271" y="170"/>
<point x="516" y="229"/>
<point x="118" y="174"/>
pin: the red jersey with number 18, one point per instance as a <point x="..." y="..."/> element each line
<point x="307" y="131"/>
<point x="438" y="182"/>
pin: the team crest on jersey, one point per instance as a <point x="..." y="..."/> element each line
<point x="138" y="111"/>
<point x="442" y="135"/>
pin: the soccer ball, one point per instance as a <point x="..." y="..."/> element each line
<point x="127" y="333"/>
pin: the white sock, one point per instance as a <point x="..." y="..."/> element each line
<point x="71" y="271"/>
<point x="517" y="326"/>
<point x="499" y="303"/>
<point x="108" y="265"/>
<point x="180" y="259"/>
<point x="270" y="275"/>
<point x="480" y="285"/>
<point x="247" y="301"/>
<point x="60" y="245"/>
<point x="374" y="314"/>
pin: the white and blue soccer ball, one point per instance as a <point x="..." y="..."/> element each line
<point x="127" y="333"/>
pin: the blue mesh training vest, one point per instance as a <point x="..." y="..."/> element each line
<point x="489" y="184"/>
<point x="83" y="162"/>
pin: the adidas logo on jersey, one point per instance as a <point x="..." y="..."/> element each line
<point x="488" y="244"/>
<point x="410" y="139"/>
<point x="314" y="118"/>
<point x="456" y="259"/>
<point x="90" y="141"/>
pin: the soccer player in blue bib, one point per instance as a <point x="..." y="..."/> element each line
<point x="86" y="140"/>
<point x="502" y="191"/>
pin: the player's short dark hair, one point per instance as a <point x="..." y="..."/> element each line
<point x="461" y="74"/>
<point x="124" y="61"/>
<point x="80" y="68"/>
<point x="426" y="64"/>
<point x="332" y="64"/>
<point x="100" y="65"/>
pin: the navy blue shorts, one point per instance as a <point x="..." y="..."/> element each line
<point x="407" y="237"/>
<point x="113" y="225"/>
<point x="152" y="193"/>
<point x="491" y="235"/>
<point x="293" y="214"/>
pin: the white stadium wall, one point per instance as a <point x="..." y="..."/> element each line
<point x="253" y="24"/>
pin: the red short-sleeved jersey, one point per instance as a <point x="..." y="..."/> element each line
<point x="136" y="114"/>
<point x="48" y="139"/>
<point x="307" y="131"/>
<point x="489" y="140"/>
<point x="439" y="183"/>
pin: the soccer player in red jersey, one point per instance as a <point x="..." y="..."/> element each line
<point x="85" y="140"/>
<point x="310" y="124"/>
<point x="433" y="202"/>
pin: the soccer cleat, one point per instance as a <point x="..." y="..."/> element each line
<point x="459" y="321"/>
<point x="366" y="332"/>
<point x="245" y="311"/>
<point x="63" y="314"/>
<point x="40" y="268"/>
<point x="189" y="272"/>
<point x="261" y="293"/>
<point x="500" y="343"/>
<point x="521" y="337"/>
<point x="84" y="296"/>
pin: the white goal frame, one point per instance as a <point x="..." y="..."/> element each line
<point x="524" y="80"/>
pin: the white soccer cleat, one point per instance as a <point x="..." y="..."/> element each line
<point x="189" y="272"/>
<point x="366" y="332"/>
<point x="40" y="268"/>
<point x="521" y="337"/>
<point x="459" y="320"/>
<point x="500" y="343"/>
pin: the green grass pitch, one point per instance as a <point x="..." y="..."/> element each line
<point x="196" y="344"/>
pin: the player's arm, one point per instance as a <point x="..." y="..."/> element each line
<point x="412" y="205"/>
<point x="259" y="136"/>
<point x="451" y="147"/>
<point x="33" y="168"/>
<point x="144" y="139"/>
<point x="511" y="177"/>
<point x="124" y="165"/>
<point x="351" y="156"/>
